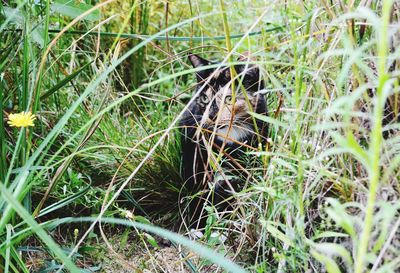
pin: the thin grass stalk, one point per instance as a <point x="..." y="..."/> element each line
<point x="299" y="106"/>
<point x="297" y="60"/>
<point x="24" y="103"/>
<point x="3" y="142"/>
<point x="140" y="22"/>
<point x="14" y="156"/>
<point x="42" y="234"/>
<point x="228" y="46"/>
<point x="231" y="71"/>
<point x="8" y="248"/>
<point x="376" y="135"/>
<point x="121" y="29"/>
<point x="396" y="99"/>
<point x="170" y="38"/>
<point x="19" y="266"/>
<point x="357" y="80"/>
<point x="36" y="99"/>
<point x="191" y="25"/>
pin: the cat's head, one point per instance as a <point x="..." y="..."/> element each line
<point x="217" y="106"/>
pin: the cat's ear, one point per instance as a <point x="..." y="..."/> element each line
<point x="197" y="61"/>
<point x="252" y="78"/>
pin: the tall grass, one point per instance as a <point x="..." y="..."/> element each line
<point x="109" y="83"/>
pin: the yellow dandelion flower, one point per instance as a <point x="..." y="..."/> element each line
<point x="23" y="119"/>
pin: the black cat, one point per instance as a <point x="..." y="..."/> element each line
<point x="218" y="121"/>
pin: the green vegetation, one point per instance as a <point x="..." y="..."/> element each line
<point x="96" y="180"/>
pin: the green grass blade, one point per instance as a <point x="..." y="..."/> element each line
<point x="64" y="202"/>
<point x="18" y="266"/>
<point x="3" y="142"/>
<point x="63" y="82"/>
<point x="37" y="229"/>
<point x="170" y="38"/>
<point x="72" y="9"/>
<point x="8" y="247"/>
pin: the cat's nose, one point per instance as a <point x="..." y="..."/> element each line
<point x="238" y="107"/>
<point x="213" y="113"/>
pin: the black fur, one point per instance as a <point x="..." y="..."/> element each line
<point x="196" y="170"/>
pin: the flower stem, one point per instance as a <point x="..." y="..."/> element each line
<point x="376" y="137"/>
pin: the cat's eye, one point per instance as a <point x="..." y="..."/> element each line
<point x="228" y="99"/>
<point x="204" y="99"/>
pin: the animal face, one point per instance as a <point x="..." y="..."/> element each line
<point x="222" y="110"/>
<point x="218" y="117"/>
